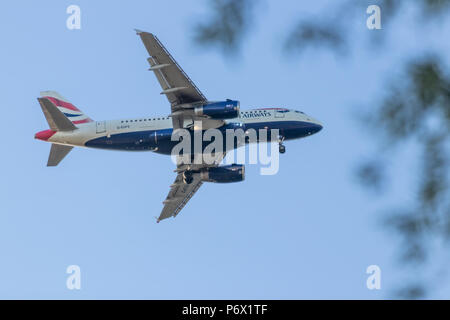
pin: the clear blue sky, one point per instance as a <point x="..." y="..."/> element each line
<point x="307" y="232"/>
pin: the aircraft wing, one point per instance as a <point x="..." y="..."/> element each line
<point x="176" y="85"/>
<point x="180" y="193"/>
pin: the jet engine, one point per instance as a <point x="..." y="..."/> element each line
<point x="223" y="174"/>
<point x="228" y="109"/>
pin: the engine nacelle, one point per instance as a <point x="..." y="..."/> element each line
<point x="224" y="174"/>
<point x="228" y="109"/>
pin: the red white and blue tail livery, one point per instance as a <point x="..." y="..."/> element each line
<point x="69" y="110"/>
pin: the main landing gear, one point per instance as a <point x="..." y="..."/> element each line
<point x="281" y="147"/>
<point x="187" y="177"/>
<point x="188" y="174"/>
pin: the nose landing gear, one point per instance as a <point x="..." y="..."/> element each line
<point x="281" y="147"/>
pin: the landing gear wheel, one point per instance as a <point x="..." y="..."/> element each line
<point x="281" y="147"/>
<point x="188" y="180"/>
<point x="187" y="177"/>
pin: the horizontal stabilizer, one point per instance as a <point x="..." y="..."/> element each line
<point x="57" y="153"/>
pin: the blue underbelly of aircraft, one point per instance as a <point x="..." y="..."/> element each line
<point x="160" y="140"/>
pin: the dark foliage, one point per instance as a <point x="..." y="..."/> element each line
<point x="415" y="108"/>
<point x="227" y="26"/>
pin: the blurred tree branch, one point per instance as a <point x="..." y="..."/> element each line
<point x="309" y="34"/>
<point x="227" y="25"/>
<point x="416" y="108"/>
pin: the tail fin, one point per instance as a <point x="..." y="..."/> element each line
<point x="75" y="115"/>
<point x="61" y="115"/>
<point x="57" y="121"/>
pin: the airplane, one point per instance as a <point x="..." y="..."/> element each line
<point x="70" y="127"/>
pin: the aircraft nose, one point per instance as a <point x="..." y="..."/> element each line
<point x="315" y="127"/>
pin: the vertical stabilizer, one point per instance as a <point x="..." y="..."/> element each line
<point x="75" y="115"/>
